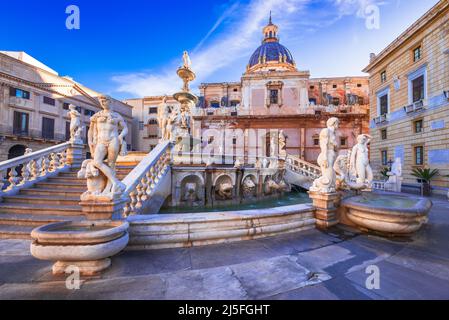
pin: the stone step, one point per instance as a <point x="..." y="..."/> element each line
<point x="61" y="186"/>
<point x="51" y="192"/>
<point x="64" y="180"/>
<point x="23" y="208"/>
<point x="15" y="232"/>
<point x="33" y="220"/>
<point x="39" y="200"/>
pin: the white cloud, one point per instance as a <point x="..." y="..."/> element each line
<point x="240" y="38"/>
<point x="243" y="37"/>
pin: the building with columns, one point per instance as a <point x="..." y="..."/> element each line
<point x="410" y="98"/>
<point x="34" y="101"/>
<point x="272" y="95"/>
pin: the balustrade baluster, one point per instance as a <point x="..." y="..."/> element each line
<point x="54" y="163"/>
<point x="139" y="194"/>
<point x="26" y="174"/>
<point x="2" y="180"/>
<point x="13" y="179"/>
<point x="133" y="196"/>
<point x="149" y="182"/>
<point x="45" y="166"/>
<point x="143" y="183"/>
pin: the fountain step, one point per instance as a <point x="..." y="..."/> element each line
<point x="38" y="200"/>
<point x="64" y="180"/>
<point x="61" y="186"/>
<point x="33" y="220"/>
<point x="15" y="232"/>
<point x="52" y="192"/>
<point x="23" y="208"/>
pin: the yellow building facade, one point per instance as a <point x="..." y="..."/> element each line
<point x="409" y="93"/>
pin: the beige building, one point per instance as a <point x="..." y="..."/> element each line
<point x="409" y="83"/>
<point x="33" y="105"/>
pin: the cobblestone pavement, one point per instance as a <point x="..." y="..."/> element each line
<point x="307" y="265"/>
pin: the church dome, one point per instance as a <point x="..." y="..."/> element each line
<point x="271" y="54"/>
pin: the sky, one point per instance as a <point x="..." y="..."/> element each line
<point x="132" y="48"/>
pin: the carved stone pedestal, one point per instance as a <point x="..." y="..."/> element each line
<point x="103" y="209"/>
<point x="326" y="206"/>
<point x="75" y="155"/>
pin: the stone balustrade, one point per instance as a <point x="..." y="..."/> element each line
<point x="379" y="185"/>
<point x="24" y="171"/>
<point x="142" y="183"/>
<point x="303" y="167"/>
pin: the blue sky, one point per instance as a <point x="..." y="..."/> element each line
<point x="132" y="48"/>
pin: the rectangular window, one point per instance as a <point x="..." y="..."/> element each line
<point x="336" y="101"/>
<point x="19" y="93"/>
<point x="65" y="106"/>
<point x="21" y="122"/>
<point x="418" y="126"/>
<point x="343" y="142"/>
<point x="417" y="54"/>
<point x="88" y="112"/>
<point x="141" y="125"/>
<point x="334" y="86"/>
<point x="384" y="156"/>
<point x="418" y="89"/>
<point x="312" y="101"/>
<point x="312" y="87"/>
<point x="360" y="101"/>
<point x="48" y="128"/>
<point x="316" y="141"/>
<point x="383" y="134"/>
<point x="383" y="76"/>
<point x="419" y="155"/>
<point x="153" y="110"/>
<point x="79" y="109"/>
<point x="210" y="140"/>
<point x="383" y="104"/>
<point x="359" y="85"/>
<point x="274" y="96"/>
<point x="234" y="103"/>
<point x="67" y="130"/>
<point x="49" y="101"/>
<point x="215" y="104"/>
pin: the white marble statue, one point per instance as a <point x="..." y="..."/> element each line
<point x="282" y="144"/>
<point x="187" y="63"/>
<point x="394" y="182"/>
<point x="75" y="125"/>
<point x="329" y="150"/>
<point x="191" y="192"/>
<point x="224" y="190"/>
<point x="273" y="146"/>
<point x="106" y="139"/>
<point x="271" y="187"/>
<point x="249" y="187"/>
<point x="162" y="118"/>
<point x="359" y="164"/>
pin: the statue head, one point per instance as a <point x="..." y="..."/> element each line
<point x="333" y="123"/>
<point x="105" y="102"/>
<point x="72" y="107"/>
<point x="363" y="139"/>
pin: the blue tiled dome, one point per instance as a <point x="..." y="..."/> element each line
<point x="272" y="51"/>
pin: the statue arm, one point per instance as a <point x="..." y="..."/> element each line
<point x="124" y="127"/>
<point x="92" y="137"/>
<point x="324" y="142"/>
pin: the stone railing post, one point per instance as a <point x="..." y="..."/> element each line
<point x="326" y="207"/>
<point x="75" y="155"/>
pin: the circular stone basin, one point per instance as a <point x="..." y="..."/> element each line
<point x="390" y="214"/>
<point x="87" y="245"/>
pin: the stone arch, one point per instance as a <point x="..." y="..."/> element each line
<point x="183" y="176"/>
<point x="223" y="177"/>
<point x="192" y="188"/>
<point x="17" y="150"/>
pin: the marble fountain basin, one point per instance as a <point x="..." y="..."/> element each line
<point x="389" y="214"/>
<point x="87" y="245"/>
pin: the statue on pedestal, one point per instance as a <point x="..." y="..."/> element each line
<point x="394" y="182"/>
<point x="106" y="139"/>
<point x="359" y="165"/>
<point x="282" y="144"/>
<point x="75" y="125"/>
<point x="162" y="118"/>
<point x="329" y="150"/>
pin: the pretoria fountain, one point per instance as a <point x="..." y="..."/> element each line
<point x="180" y="196"/>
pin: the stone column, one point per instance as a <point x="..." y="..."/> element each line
<point x="75" y="155"/>
<point x="326" y="206"/>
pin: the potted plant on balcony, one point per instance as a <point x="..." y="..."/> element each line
<point x="425" y="175"/>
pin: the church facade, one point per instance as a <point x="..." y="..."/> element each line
<point x="272" y="96"/>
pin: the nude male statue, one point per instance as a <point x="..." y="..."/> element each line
<point x="326" y="160"/>
<point x="106" y="140"/>
<point x="360" y="166"/>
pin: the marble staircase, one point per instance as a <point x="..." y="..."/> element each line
<point x="54" y="199"/>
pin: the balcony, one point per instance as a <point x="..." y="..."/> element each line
<point x="20" y="102"/>
<point x="414" y="107"/>
<point x="381" y="119"/>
